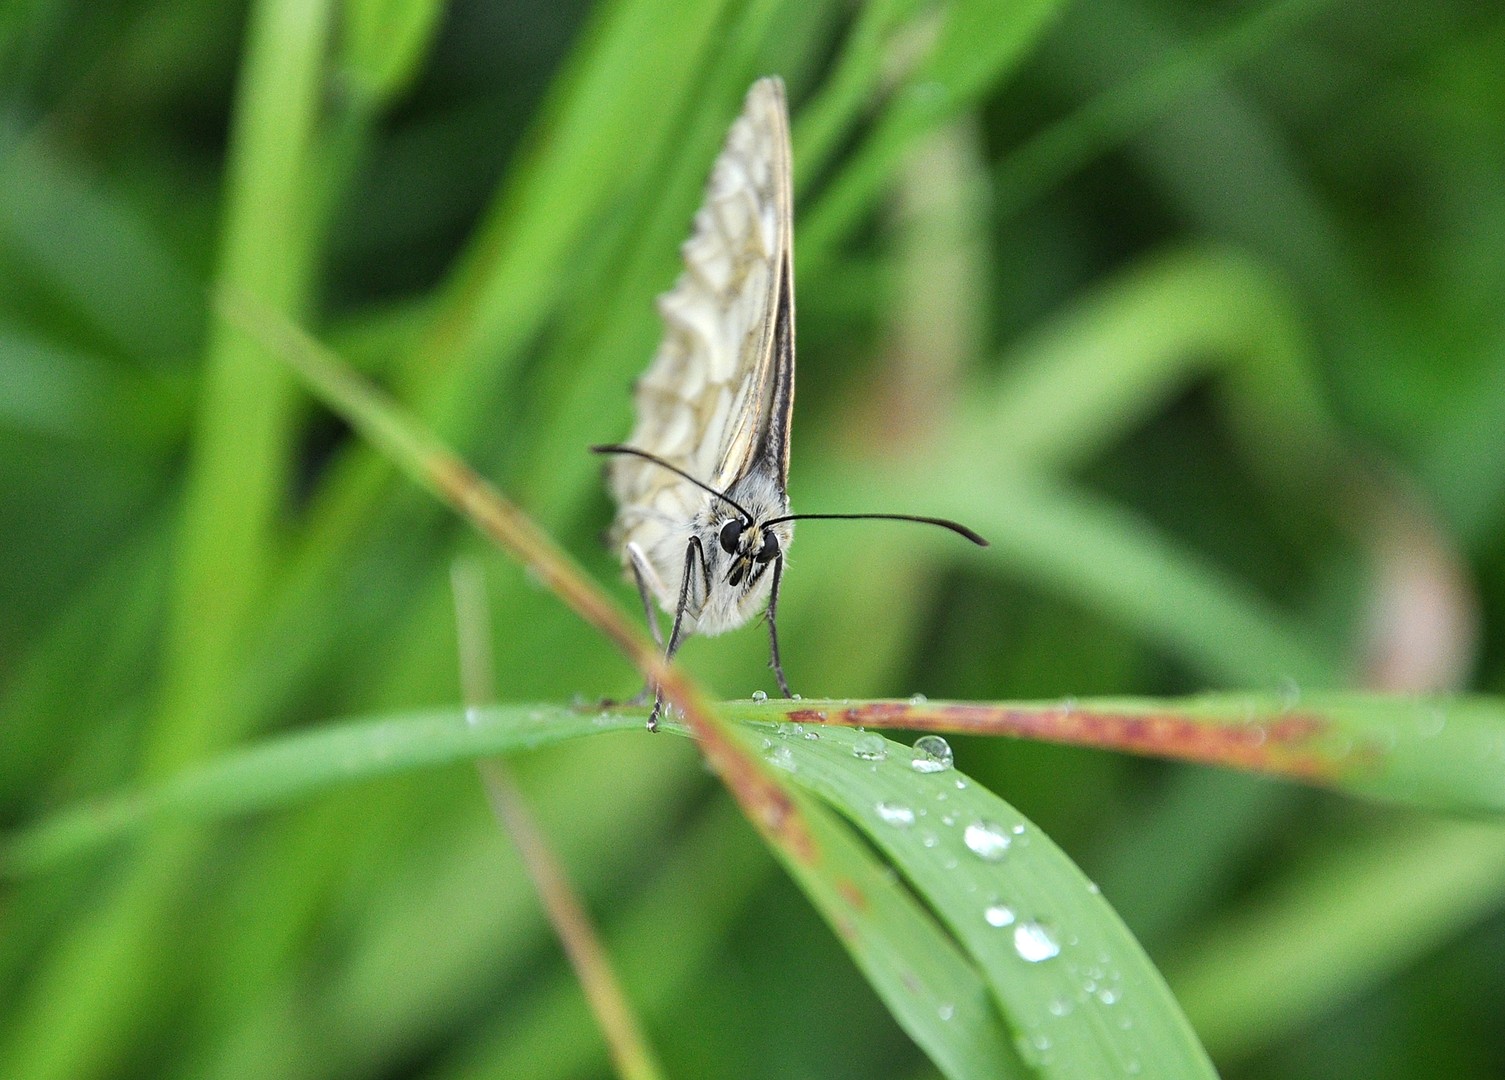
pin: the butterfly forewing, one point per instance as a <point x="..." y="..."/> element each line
<point x="716" y="399"/>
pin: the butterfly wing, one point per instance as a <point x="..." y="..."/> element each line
<point x="717" y="397"/>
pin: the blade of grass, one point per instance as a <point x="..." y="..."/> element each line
<point x="977" y="43"/>
<point x="1082" y="380"/>
<point x="1354" y="915"/>
<point x="1116" y="115"/>
<point x="1076" y="988"/>
<point x="1443" y="754"/>
<point x="630" y="1052"/>
<point x="85" y="1000"/>
<point x="1446" y="754"/>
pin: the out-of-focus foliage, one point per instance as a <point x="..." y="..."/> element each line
<point x="1194" y="309"/>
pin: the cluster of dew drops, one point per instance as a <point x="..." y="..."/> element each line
<point x="1035" y="941"/>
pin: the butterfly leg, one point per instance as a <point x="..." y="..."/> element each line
<point x="642" y="570"/>
<point x="692" y="549"/>
<point x="773" y="630"/>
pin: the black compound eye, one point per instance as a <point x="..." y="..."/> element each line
<point x="731" y="532"/>
<point x="770" y="548"/>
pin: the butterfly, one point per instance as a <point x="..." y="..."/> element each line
<point x="702" y="486"/>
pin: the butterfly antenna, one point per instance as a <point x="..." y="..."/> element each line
<point x="633" y="451"/>
<point x="956" y="527"/>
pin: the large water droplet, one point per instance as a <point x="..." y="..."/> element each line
<point x="870" y="747"/>
<point x="988" y="840"/>
<point x="932" y="755"/>
<point x="1035" y="941"/>
<point x="946" y="1011"/>
<point x="998" y="914"/>
<point x="895" y="814"/>
<point x="760" y="695"/>
<point x="918" y="699"/>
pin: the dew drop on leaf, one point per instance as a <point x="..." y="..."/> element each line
<point x="783" y="758"/>
<point x="987" y="840"/>
<point x="998" y="914"/>
<point x="895" y="813"/>
<point x="870" y="747"/>
<point x="1035" y="941"/>
<point x="932" y="755"/>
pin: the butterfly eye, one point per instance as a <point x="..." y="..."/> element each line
<point x="731" y="532"/>
<point x="770" y="548"/>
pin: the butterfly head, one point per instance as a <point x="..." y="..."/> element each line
<point x="751" y="546"/>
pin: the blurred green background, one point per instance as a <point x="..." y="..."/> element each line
<point x="1195" y="309"/>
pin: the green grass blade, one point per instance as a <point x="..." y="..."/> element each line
<point x="977" y="43"/>
<point x="931" y="987"/>
<point x="1444" y="754"/>
<point x="1359" y="914"/>
<point x="1077" y="990"/>
<point x="87" y="996"/>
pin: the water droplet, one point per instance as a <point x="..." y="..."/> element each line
<point x="948" y="820"/>
<point x="1108" y="996"/>
<point x="929" y="839"/>
<point x="895" y="814"/>
<point x="987" y="840"/>
<point x="782" y="757"/>
<point x="870" y="747"/>
<point x="1061" y="1007"/>
<point x="918" y="699"/>
<point x="932" y="755"/>
<point x="1035" y="941"/>
<point x="760" y="696"/>
<point x="1092" y="887"/>
<point x="795" y="697"/>
<point x="946" y="1011"/>
<point x="998" y="914"/>
<point x="472" y="716"/>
